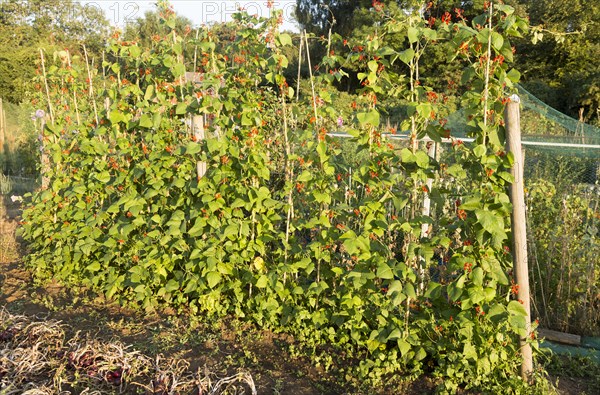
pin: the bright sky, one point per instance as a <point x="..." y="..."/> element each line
<point x="200" y="12"/>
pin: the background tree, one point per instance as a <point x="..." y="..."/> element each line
<point x="145" y="28"/>
<point x="562" y="71"/>
<point x="26" y="26"/>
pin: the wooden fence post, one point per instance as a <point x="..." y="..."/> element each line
<point x="197" y="124"/>
<point x="198" y="131"/>
<point x="519" y="231"/>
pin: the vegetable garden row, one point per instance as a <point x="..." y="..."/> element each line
<point x="283" y="228"/>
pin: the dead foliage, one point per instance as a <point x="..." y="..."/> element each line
<point x="36" y="358"/>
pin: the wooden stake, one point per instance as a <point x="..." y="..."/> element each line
<point x="91" y="85"/>
<point x="74" y="92"/>
<point x="196" y="51"/>
<point x="47" y="89"/>
<point x="299" y="65"/>
<point x="426" y="208"/>
<point x="45" y="160"/>
<point x="312" y="83"/>
<point x="198" y="131"/>
<point x="519" y="229"/>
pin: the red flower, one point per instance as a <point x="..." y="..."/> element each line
<point x="377" y="5"/>
<point x="446" y="18"/>
<point x="432" y="96"/>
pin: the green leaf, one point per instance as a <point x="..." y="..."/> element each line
<point x="406" y="56"/>
<point x="403" y="346"/>
<point x="192" y="148"/>
<point x="483" y="36"/>
<point x="305" y="176"/>
<point x="181" y="108"/>
<point x="116" y="116"/>
<point x="372" y="65"/>
<point x="172" y="285"/>
<point x="424" y="110"/>
<point x="491" y="222"/>
<point x="156" y="119"/>
<point x="477" y="276"/>
<point x="454" y="292"/>
<point x="146" y="121"/>
<point x="471" y="203"/>
<point x="518" y="324"/>
<point x="213" y="278"/>
<point x="495" y="310"/>
<point x="93" y="267"/>
<point x="479" y="150"/>
<point x="434" y="290"/>
<point x="413" y="34"/>
<point x="231" y="231"/>
<point x="149" y="92"/>
<point x="422" y="159"/>
<point x="368" y="118"/>
<point x="262" y="281"/>
<point x="406" y="156"/>
<point x="470" y="352"/>
<point x="516" y="308"/>
<point x="178" y="70"/>
<point x="395" y="334"/>
<point x="285" y="39"/>
<point x="103" y="177"/>
<point x="497" y="41"/>
<point x="384" y="271"/>
<point x="322" y="197"/>
<point x="514" y="75"/>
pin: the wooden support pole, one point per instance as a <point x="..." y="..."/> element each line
<point x="47" y="88"/>
<point x="299" y="66"/>
<point x="426" y="208"/>
<point x="197" y="123"/>
<point x="198" y="131"/>
<point x="44" y="156"/>
<point x="519" y="231"/>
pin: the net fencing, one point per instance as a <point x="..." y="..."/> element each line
<point x="562" y="178"/>
<point x="19" y="152"/>
<point x="562" y="174"/>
